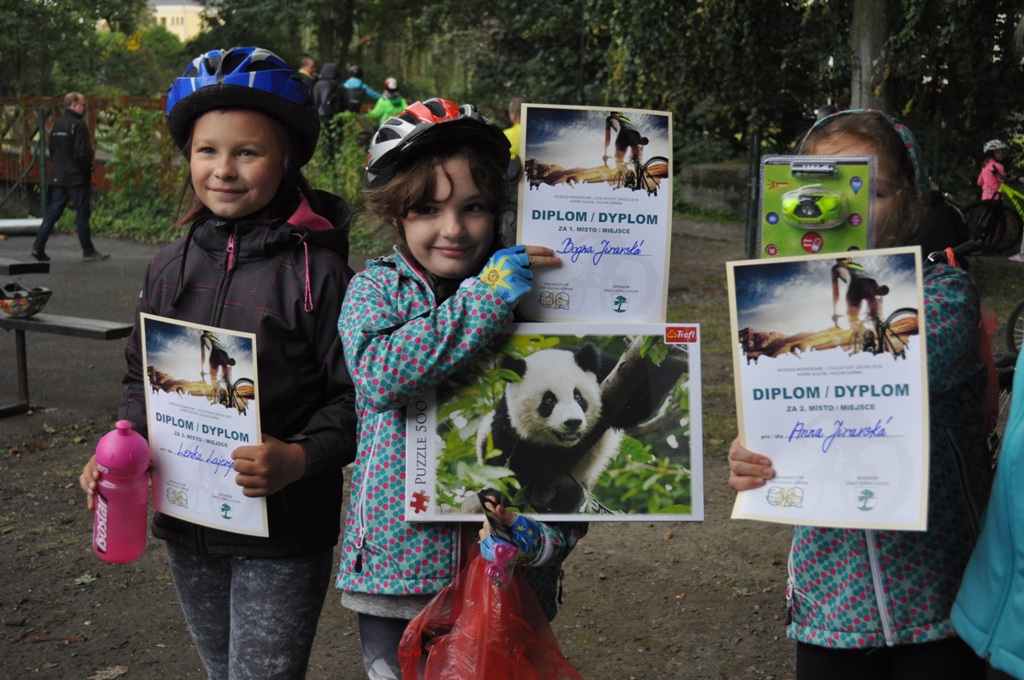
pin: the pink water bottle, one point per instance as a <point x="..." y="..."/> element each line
<point x="122" y="495"/>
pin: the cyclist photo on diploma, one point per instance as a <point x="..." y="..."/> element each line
<point x="778" y="312"/>
<point x="558" y="152"/>
<point x="861" y="288"/>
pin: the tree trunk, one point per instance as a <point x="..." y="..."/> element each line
<point x="868" y="33"/>
<point x="334" y="33"/>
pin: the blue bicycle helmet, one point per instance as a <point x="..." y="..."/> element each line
<point x="429" y="122"/>
<point x="244" y="78"/>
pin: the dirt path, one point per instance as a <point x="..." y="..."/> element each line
<point x="641" y="600"/>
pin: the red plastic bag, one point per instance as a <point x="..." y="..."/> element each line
<point x="474" y="629"/>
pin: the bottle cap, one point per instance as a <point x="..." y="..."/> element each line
<point x="122" y="452"/>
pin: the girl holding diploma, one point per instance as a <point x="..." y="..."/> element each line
<point x="869" y="603"/>
<point x="264" y="254"/>
<point x="436" y="174"/>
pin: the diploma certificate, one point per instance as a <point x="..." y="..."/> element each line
<point x="832" y="385"/>
<point x="201" y="403"/>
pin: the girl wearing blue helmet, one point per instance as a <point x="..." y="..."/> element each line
<point x="264" y="254"/>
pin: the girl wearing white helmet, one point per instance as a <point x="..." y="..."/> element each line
<point x="264" y="254"/>
<point x="991" y="175"/>
<point x="437" y="175"/>
<point x="390" y="104"/>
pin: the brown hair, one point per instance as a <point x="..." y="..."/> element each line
<point x="877" y="131"/>
<point x="415" y="182"/>
<point x="293" y="185"/>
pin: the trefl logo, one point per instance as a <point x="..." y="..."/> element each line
<point x="681" y="334"/>
<point x="100" y="533"/>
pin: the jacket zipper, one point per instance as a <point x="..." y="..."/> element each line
<point x="876" y="579"/>
<point x="200" y="530"/>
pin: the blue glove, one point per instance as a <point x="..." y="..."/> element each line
<point x="526" y="537"/>
<point x="508" y="273"/>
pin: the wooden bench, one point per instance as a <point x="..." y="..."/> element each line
<point x="60" y="325"/>
<point x="10" y="267"/>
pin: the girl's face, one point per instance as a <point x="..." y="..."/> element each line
<point x="885" y="208"/>
<point x="237" y="161"/>
<point x="451" y="232"/>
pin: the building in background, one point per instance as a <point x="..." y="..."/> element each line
<point x="180" y="18"/>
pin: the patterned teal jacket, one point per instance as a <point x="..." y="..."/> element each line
<point x="855" y="588"/>
<point x="399" y="343"/>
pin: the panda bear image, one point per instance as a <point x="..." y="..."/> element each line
<point x="561" y="423"/>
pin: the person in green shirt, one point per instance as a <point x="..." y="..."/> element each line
<point x="391" y="103"/>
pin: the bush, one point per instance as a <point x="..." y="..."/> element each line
<point x="146" y="172"/>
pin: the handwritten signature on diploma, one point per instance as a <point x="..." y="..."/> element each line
<point x="195" y="454"/>
<point x="841" y="431"/>
<point x="574" y="250"/>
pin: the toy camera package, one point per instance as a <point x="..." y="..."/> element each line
<point x="816" y="204"/>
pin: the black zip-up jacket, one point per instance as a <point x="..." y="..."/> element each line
<point x="251" y="276"/>
<point x="70" y="151"/>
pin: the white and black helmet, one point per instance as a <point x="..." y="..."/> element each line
<point x="993" y="144"/>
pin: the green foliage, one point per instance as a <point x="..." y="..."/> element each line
<point x="338" y="166"/>
<point x="140" y="64"/>
<point x="54" y="46"/>
<point x="339" y="163"/>
<point x="146" y="174"/>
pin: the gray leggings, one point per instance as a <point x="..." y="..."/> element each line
<point x="251" y="618"/>
<point x="379" y="637"/>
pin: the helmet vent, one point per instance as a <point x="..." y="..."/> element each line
<point x="435" y="108"/>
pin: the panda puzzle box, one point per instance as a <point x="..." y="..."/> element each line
<point x="567" y="421"/>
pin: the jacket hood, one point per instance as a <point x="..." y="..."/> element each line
<point x="329" y="72"/>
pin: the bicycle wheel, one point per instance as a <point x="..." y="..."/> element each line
<point x="651" y="174"/>
<point x="1015" y="328"/>
<point x="984" y="225"/>
<point x="1012" y="229"/>
<point x="895" y="331"/>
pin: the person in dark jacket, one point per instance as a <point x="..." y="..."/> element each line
<point x="264" y="254"/>
<point x="70" y="179"/>
<point x="329" y="101"/>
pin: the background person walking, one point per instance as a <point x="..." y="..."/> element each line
<point x="71" y="158"/>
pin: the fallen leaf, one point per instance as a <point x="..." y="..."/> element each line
<point x="86" y="578"/>
<point x="109" y="673"/>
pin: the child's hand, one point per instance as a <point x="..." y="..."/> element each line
<point x="266" y="469"/>
<point x="542" y="257"/>
<point x="526" y="535"/>
<point x="747" y="470"/>
<point x="87" y="480"/>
